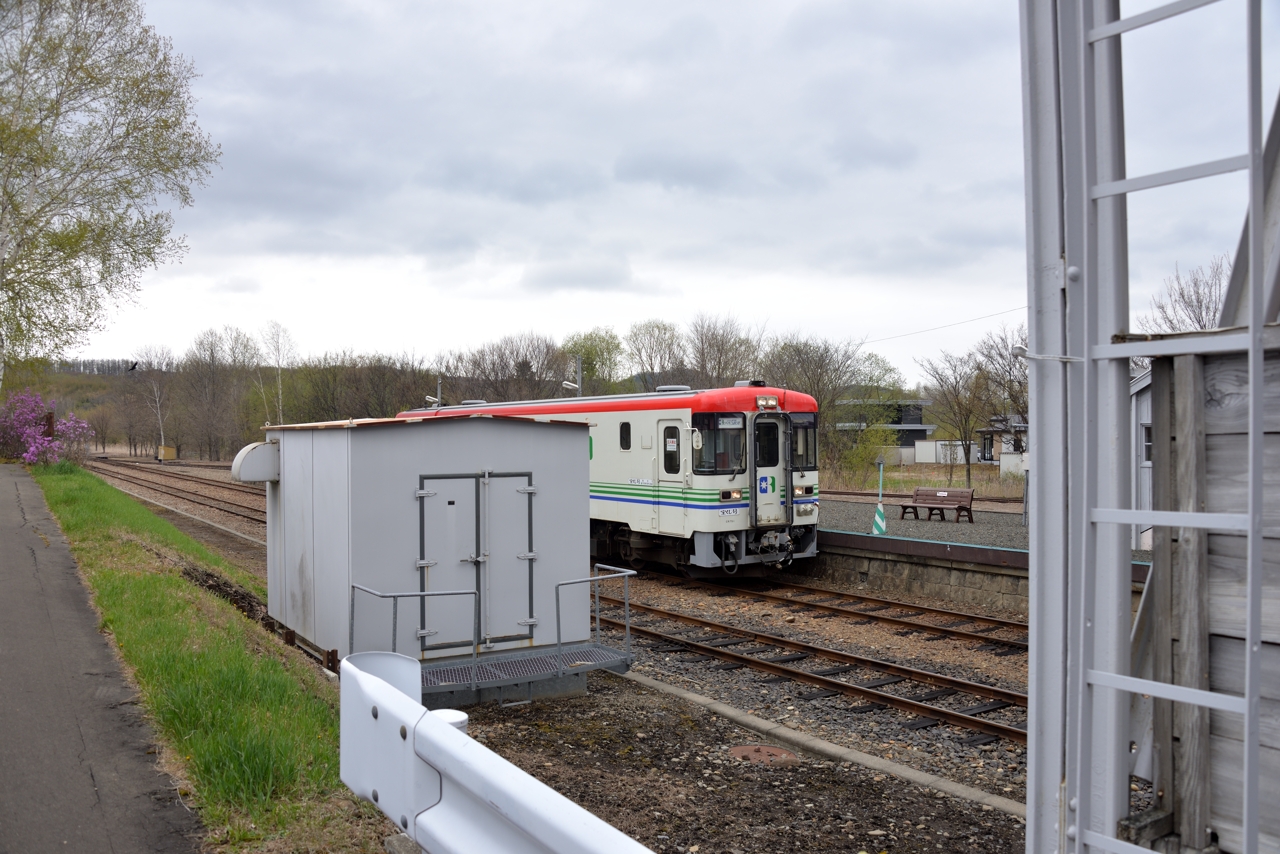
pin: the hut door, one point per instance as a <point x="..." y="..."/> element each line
<point x="448" y="549"/>
<point x="506" y="593"/>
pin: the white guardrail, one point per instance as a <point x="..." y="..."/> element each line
<point x="448" y="792"/>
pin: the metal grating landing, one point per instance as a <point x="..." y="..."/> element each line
<point x="511" y="668"/>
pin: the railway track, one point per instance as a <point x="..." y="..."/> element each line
<point x="720" y="637"/>
<point x="152" y="468"/>
<point x="964" y="626"/>
<point x="234" y="508"/>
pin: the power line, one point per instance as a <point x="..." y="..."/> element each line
<point x="947" y="326"/>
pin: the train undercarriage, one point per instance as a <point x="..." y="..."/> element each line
<point x="746" y="554"/>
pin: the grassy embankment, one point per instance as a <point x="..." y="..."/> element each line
<point x="250" y="723"/>
<point x="987" y="482"/>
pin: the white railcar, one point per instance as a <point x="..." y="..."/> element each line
<point x="722" y="481"/>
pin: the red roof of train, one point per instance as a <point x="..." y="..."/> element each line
<point x="736" y="399"/>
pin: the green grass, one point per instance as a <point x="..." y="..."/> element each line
<point x="255" y="727"/>
<point x="86" y="504"/>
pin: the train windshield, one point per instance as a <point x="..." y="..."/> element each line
<point x="724" y="440"/>
<point x="804" y="441"/>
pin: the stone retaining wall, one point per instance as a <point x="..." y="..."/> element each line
<point x="910" y="575"/>
<point x="899" y="575"/>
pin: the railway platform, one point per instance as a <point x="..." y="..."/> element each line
<point x="77" y="763"/>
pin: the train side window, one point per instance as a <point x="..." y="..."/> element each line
<point x="624" y="435"/>
<point x="671" y="450"/>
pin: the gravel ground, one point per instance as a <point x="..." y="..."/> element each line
<point x="1002" y="530"/>
<point x="999" y="767"/>
<point x="696" y="798"/>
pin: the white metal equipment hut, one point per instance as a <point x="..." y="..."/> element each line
<point x="477" y="524"/>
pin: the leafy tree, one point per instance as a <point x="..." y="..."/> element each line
<point x="97" y="133"/>
<point x="603" y="358"/>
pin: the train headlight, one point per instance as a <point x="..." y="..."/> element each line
<point x="766" y="401"/>
<point x="798" y="491"/>
<point x="731" y="495"/>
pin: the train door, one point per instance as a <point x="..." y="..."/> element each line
<point x="670" y="478"/>
<point x="769" y="471"/>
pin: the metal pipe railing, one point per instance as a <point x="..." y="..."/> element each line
<point x="395" y="616"/>
<point x="594" y="580"/>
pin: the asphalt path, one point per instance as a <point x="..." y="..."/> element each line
<point x="77" y="757"/>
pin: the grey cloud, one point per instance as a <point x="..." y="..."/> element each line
<point x="680" y="170"/>
<point x="689" y="38"/>
<point x="579" y="274"/>
<point x="529" y="184"/>
<point x="866" y="151"/>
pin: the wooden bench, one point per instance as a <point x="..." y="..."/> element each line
<point x="939" y="501"/>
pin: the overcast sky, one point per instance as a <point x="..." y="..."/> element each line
<point x="420" y="176"/>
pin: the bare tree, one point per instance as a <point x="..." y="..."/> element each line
<point x="1191" y="301"/>
<point x="515" y="367"/>
<point x="656" y="349"/>
<point x="154" y="370"/>
<point x="279" y="354"/>
<point x="824" y="369"/>
<point x="102" y="419"/>
<point x="214" y="380"/>
<point x="1006" y="377"/>
<point x="720" y="351"/>
<point x="961" y="399"/>
<point x="325" y="387"/>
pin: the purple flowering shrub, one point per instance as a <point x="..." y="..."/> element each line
<point x="23" y="424"/>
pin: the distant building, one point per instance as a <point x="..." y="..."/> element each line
<point x="1002" y="436"/>
<point x="905" y="416"/>
<point x="1140" y="418"/>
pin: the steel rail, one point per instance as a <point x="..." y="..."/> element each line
<point x="872" y="615"/>
<point x="977" y="689"/>
<point x="142" y="467"/>
<point x="213" y="503"/>
<point x="892" y="603"/>
<point x="901" y="704"/>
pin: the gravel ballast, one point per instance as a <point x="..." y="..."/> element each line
<point x="659" y="769"/>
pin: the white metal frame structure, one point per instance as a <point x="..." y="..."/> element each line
<point x="1079" y="681"/>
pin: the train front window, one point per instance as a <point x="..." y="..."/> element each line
<point x="804" y="441"/>
<point x="724" y="441"/>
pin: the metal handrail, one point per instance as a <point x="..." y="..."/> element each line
<point x="594" y="580"/>
<point x="395" y="616"/>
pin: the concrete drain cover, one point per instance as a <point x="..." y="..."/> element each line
<point x="764" y="754"/>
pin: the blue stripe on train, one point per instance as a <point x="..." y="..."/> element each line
<point x="666" y="503"/>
